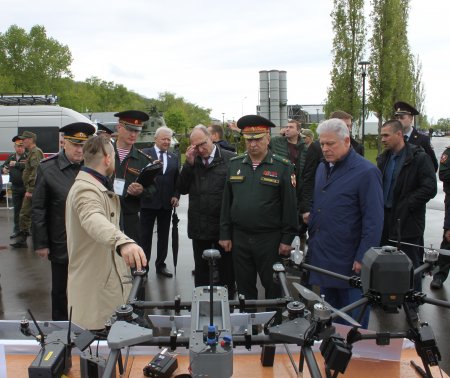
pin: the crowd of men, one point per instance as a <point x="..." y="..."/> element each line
<point x="88" y="214"/>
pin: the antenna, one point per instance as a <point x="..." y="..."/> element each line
<point x="70" y="327"/>
<point x="41" y="334"/>
<point x="399" y="238"/>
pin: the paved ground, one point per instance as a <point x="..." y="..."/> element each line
<point x="25" y="278"/>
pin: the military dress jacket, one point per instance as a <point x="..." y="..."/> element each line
<point x="35" y="155"/>
<point x="98" y="278"/>
<point x="129" y="170"/>
<point x="423" y="141"/>
<point x="260" y="200"/>
<point x="55" y="176"/>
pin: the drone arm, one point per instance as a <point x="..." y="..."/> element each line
<point x="425" y="267"/>
<point x="326" y="272"/>
<point x="436" y="302"/>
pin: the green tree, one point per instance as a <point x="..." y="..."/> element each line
<point x="32" y="61"/>
<point x="348" y="45"/>
<point x="179" y="114"/>
<point x="391" y="75"/>
<point x="419" y="93"/>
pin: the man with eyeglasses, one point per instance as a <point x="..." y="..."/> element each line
<point x="405" y="114"/>
<point x="258" y="220"/>
<point x="203" y="178"/>
<point x="129" y="163"/>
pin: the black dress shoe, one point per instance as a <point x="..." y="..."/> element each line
<point x="164" y="272"/>
<point x="437" y="283"/>
<point x="19" y="244"/>
<point x="14" y="235"/>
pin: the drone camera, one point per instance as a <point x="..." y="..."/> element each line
<point x="428" y="348"/>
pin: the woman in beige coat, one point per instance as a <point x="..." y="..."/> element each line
<point x="99" y="253"/>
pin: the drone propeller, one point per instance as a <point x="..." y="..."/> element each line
<point x="311" y="296"/>
<point x="444" y="252"/>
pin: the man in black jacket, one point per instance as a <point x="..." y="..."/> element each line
<point x="216" y="132"/>
<point x="203" y="177"/>
<point x="405" y="114"/>
<point x="55" y="176"/>
<point x="14" y="166"/>
<point x="409" y="182"/>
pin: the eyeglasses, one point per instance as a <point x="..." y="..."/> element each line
<point x="200" y="145"/>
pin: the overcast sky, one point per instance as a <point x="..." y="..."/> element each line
<point x="211" y="52"/>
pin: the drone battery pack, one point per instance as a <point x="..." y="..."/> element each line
<point x="268" y="355"/>
<point x="93" y="367"/>
<point x="50" y="361"/>
<point x="162" y="365"/>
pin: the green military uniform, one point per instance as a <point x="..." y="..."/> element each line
<point x="35" y="155"/>
<point x="17" y="187"/>
<point x="129" y="170"/>
<point x="444" y="261"/>
<point x="258" y="213"/>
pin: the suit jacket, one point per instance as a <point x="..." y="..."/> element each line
<point x="98" y="278"/>
<point x="423" y="141"/>
<point x="164" y="182"/>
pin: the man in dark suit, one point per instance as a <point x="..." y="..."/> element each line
<point x="160" y="206"/>
<point x="405" y="114"/>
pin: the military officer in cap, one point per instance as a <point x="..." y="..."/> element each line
<point x="104" y="131"/>
<point x="55" y="176"/>
<point x="35" y="155"/>
<point x="405" y="114"/>
<point x="258" y="220"/>
<point x="129" y="163"/>
<point x="14" y="166"/>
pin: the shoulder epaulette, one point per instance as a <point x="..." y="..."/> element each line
<point x="238" y="157"/>
<point x="281" y="159"/>
<point x="52" y="157"/>
<point x="143" y="153"/>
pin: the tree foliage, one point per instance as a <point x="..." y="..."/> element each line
<point x="31" y="62"/>
<point x="391" y="72"/>
<point x="348" y="45"/>
<point x="179" y="114"/>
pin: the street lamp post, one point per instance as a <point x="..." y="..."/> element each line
<point x="317" y="110"/>
<point x="223" y="120"/>
<point x="363" y="65"/>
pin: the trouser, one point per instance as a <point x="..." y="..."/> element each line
<point x="17" y="199"/>
<point x="25" y="215"/>
<point x="224" y="265"/>
<point x="443" y="262"/>
<point x="131" y="226"/>
<point x="254" y="254"/>
<point x="148" y="217"/>
<point x="339" y="298"/>
<point x="59" y="291"/>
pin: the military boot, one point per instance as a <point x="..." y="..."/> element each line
<point x="21" y="240"/>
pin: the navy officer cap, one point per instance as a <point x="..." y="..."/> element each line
<point x="132" y="119"/>
<point x="78" y="132"/>
<point x="401" y="107"/>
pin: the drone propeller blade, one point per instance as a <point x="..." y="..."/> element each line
<point x="306" y="293"/>
<point x="344" y="316"/>
<point x="311" y="296"/>
<point x="444" y="252"/>
<point x="405" y="243"/>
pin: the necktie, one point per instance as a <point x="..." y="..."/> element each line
<point x="161" y="159"/>
<point x="405" y="137"/>
<point x="206" y="162"/>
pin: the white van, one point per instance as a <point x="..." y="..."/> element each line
<point x="43" y="120"/>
